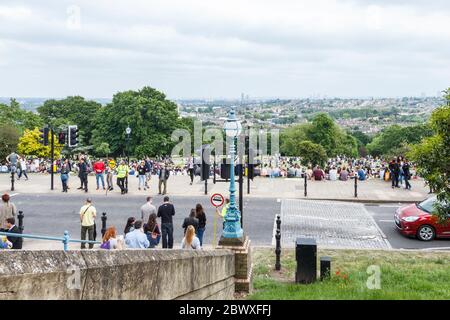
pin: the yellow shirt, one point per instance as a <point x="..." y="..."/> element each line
<point x="87" y="215"/>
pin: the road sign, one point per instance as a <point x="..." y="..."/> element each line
<point x="217" y="200"/>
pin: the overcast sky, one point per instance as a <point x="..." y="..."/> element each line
<point x="212" y="48"/>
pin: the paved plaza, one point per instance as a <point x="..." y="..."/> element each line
<point x="283" y="188"/>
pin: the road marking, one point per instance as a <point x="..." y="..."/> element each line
<point x="14" y="194"/>
<point x="437" y="248"/>
<point x="385" y="220"/>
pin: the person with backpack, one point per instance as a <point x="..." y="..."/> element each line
<point x="65" y="171"/>
<point x="151" y="229"/>
<point x="190" y="241"/>
<point x="87" y="218"/>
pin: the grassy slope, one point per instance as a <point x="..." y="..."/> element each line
<point x="404" y="275"/>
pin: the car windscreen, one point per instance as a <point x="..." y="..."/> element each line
<point x="427" y="205"/>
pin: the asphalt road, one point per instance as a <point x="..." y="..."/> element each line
<point x="51" y="214"/>
<point x="384" y="217"/>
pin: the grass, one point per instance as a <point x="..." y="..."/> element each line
<point x="404" y="275"/>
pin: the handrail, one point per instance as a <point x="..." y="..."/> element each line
<point x="65" y="239"/>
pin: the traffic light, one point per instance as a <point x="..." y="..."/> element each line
<point x="62" y="137"/>
<point x="73" y="136"/>
<point x="225" y="169"/>
<point x="205" y="168"/>
<point x="251" y="164"/>
<point x="44" y="136"/>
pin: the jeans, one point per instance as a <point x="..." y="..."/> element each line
<point x="142" y="181"/>
<point x="99" y="176"/>
<point x="121" y="184"/>
<point x="24" y="172"/>
<point x="84" y="181"/>
<point x="200" y="232"/>
<point x="394" y="179"/>
<point x="90" y="231"/>
<point x="161" y="182"/>
<point x="64" y="179"/>
<point x="407" y="184"/>
<point x="167" y="235"/>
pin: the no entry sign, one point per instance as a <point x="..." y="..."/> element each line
<point x="217" y="200"/>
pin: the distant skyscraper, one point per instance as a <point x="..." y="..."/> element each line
<point x="242" y="97"/>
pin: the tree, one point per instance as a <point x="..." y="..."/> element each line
<point x="312" y="153"/>
<point x="432" y="157"/>
<point x="29" y="145"/>
<point x="151" y="117"/>
<point x="9" y="138"/>
<point x="324" y="131"/>
<point x="291" y="138"/>
<point x="393" y="137"/>
<point x="15" y="116"/>
<point x="103" y="149"/>
<point x="72" y="110"/>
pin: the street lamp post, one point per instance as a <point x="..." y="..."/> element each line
<point x="128" y="132"/>
<point x="232" y="228"/>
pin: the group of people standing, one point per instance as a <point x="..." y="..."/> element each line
<point x="140" y="235"/>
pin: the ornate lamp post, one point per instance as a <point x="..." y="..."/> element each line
<point x="128" y="132"/>
<point x="232" y="228"/>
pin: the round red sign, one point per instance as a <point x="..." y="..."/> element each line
<point x="217" y="200"/>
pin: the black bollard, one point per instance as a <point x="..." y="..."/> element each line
<point x="306" y="184"/>
<point x="278" y="245"/>
<point x="12" y="178"/>
<point x="20" y="217"/>
<point x="103" y="223"/>
<point x="356" y="186"/>
<point x="325" y="268"/>
<point x="306" y="256"/>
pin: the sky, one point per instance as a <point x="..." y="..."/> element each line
<point x="220" y="49"/>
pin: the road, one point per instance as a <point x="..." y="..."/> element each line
<point x="51" y="214"/>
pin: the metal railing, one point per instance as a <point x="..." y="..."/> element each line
<point x="65" y="239"/>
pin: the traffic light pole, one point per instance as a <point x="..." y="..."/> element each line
<point x="52" y="146"/>
<point x="241" y="182"/>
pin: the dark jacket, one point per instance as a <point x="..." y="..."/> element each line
<point x="16" y="241"/>
<point x="201" y="220"/>
<point x="166" y="211"/>
<point x="166" y="176"/>
<point x="83" y="169"/>
<point x="406" y="171"/>
<point x="190" y="222"/>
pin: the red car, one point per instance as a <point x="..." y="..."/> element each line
<point x="416" y="220"/>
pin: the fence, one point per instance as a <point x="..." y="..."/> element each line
<point x="65" y="239"/>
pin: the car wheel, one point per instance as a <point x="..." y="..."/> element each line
<point x="426" y="233"/>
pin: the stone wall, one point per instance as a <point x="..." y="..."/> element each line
<point x="124" y="274"/>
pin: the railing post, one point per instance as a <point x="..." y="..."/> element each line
<point x="20" y="217"/>
<point x="104" y="218"/>
<point x="278" y="244"/>
<point x="306" y="184"/>
<point x="356" y="186"/>
<point x="13" y="172"/>
<point x="66" y="240"/>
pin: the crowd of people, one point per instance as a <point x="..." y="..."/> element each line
<point x="397" y="170"/>
<point x="154" y="227"/>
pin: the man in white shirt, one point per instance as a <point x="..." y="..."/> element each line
<point x="147" y="209"/>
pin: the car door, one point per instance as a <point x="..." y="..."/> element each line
<point x="446" y="228"/>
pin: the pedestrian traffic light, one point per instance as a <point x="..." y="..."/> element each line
<point x="225" y="169"/>
<point x="44" y="136"/>
<point x="251" y="164"/>
<point x="73" y="136"/>
<point x="205" y="168"/>
<point x="62" y="137"/>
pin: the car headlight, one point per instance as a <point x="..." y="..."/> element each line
<point x="410" y="219"/>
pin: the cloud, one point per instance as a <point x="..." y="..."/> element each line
<point x="195" y="48"/>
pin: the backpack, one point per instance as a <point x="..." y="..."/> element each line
<point x="105" y="245"/>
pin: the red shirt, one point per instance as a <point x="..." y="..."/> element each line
<point x="318" y="174"/>
<point x="99" y="167"/>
